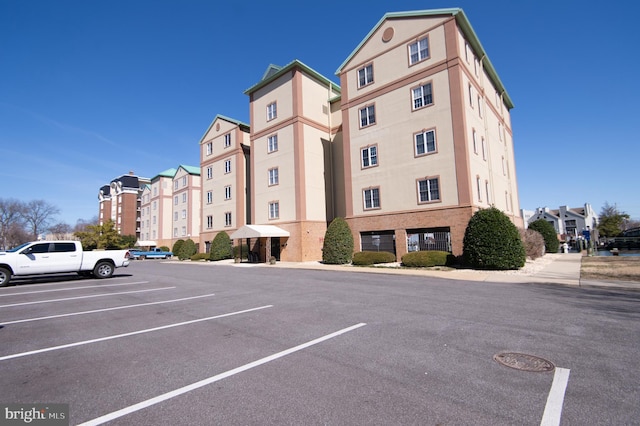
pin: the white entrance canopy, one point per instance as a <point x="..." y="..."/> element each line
<point x="142" y="243"/>
<point x="258" y="231"/>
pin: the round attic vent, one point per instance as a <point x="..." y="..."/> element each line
<point x="387" y="35"/>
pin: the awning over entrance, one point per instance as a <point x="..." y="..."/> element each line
<point x="258" y="231"/>
<point x="142" y="243"/>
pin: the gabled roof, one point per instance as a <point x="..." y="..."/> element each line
<point x="169" y="173"/>
<point x="465" y="27"/>
<point x="243" y="126"/>
<point x="274" y="71"/>
<point x="192" y="170"/>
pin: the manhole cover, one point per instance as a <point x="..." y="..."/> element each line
<point x="524" y="362"/>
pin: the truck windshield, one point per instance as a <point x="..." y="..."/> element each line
<point x="15" y="249"/>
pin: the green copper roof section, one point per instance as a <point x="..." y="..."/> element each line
<point x="192" y="170"/>
<point x="467" y="30"/>
<point x="170" y="173"/>
<point x="273" y="72"/>
<point x="242" y="125"/>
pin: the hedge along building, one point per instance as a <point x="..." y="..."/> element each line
<point x="427" y="134"/>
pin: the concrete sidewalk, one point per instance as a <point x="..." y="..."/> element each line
<point x="562" y="269"/>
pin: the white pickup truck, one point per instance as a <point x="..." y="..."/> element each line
<point x="52" y="257"/>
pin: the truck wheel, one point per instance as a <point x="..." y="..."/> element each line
<point x="5" y="277"/>
<point x="103" y="269"/>
<point x="143" y="257"/>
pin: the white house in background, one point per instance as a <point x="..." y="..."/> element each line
<point x="567" y="221"/>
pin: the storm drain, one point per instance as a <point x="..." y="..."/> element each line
<point x="524" y="362"/>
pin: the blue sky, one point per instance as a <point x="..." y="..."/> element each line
<point x="90" y="90"/>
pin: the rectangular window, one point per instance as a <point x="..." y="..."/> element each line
<point x="209" y="197"/>
<point x="274" y="210"/>
<point x="184" y="197"/>
<point x="209" y="172"/>
<point x="475" y="142"/>
<point x="479" y="107"/>
<point x="419" y="51"/>
<point x="209" y="222"/>
<point x="486" y="190"/>
<point x="370" y="156"/>
<point x="175" y="200"/>
<point x="425" y="142"/>
<point x="209" y="148"/>
<point x="272" y="111"/>
<point x="175" y="184"/>
<point x="365" y="75"/>
<point x="227" y="140"/>
<point x="227" y="219"/>
<point x="184" y="231"/>
<point x="367" y="116"/>
<point x="422" y="96"/>
<point x="478" y="188"/>
<point x="175" y="216"/>
<point x="175" y="232"/>
<point x="227" y="166"/>
<point x="184" y="214"/>
<point x="371" y="198"/>
<point x="272" y="143"/>
<point x="227" y="192"/>
<point x="470" y="96"/>
<point x="273" y="176"/>
<point x="428" y="190"/>
<point x="484" y="150"/>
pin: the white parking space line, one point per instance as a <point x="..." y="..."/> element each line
<point x="72" y="288"/>
<point x="553" y="409"/>
<point x="149" y="402"/>
<point x="84" y="297"/>
<point x="72" y="314"/>
<point x="133" y="333"/>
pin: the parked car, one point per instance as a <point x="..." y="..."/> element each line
<point x="50" y="257"/>
<point x="156" y="253"/>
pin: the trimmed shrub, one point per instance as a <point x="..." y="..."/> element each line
<point x="551" y="243"/>
<point x="533" y="243"/>
<point x="363" y="258"/>
<point x="187" y="250"/>
<point x="221" y="247"/>
<point x="492" y="241"/>
<point x="338" y="243"/>
<point x="200" y="256"/>
<point x="177" y="246"/>
<point x="425" y="258"/>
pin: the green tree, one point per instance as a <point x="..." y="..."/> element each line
<point x="187" y="250"/>
<point x="492" y="241"/>
<point x="612" y="221"/>
<point x="338" y="243"/>
<point x="221" y="247"/>
<point x="548" y="232"/>
<point x="103" y="236"/>
<point x="177" y="246"/>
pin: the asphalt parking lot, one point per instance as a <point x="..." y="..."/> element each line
<point x="204" y="344"/>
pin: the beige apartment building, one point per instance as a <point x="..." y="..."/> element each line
<point x="413" y="142"/>
<point x="156" y="209"/>
<point x="224" y="163"/>
<point x="295" y="123"/>
<point x="186" y="203"/>
<point x="427" y="134"/>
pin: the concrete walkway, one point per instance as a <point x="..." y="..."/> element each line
<point x="563" y="269"/>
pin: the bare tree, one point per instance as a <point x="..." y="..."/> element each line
<point x="37" y="215"/>
<point x="16" y="235"/>
<point x="60" y="230"/>
<point x="11" y="213"/>
<point x="81" y="224"/>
